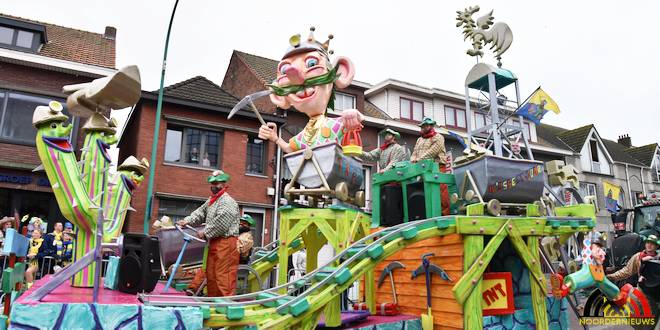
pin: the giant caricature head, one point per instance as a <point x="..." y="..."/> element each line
<point x="306" y="76"/>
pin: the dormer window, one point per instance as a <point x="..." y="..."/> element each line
<point x="20" y="35"/>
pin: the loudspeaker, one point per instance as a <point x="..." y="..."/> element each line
<point x="416" y="201"/>
<point x="139" y="266"/>
<point x="391" y="205"/>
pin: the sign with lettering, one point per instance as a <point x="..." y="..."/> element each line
<point x="497" y="294"/>
<point x="510" y="183"/>
<point x="23" y="179"/>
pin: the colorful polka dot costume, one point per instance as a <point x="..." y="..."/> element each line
<point x="319" y="131"/>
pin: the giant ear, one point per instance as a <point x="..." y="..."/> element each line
<point x="280" y="101"/>
<point x="345" y="71"/>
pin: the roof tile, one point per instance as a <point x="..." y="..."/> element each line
<point x="75" y="45"/>
<point x="200" y="89"/>
<point x="643" y="154"/>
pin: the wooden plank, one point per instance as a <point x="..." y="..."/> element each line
<point x="463" y="288"/>
<point x="538" y="295"/>
<point x="440" y="251"/>
<point x="438" y="305"/>
<point x="447" y="263"/>
<point x="438" y="290"/>
<point x="441" y="320"/>
<point x="530" y="262"/>
<point x="472" y="313"/>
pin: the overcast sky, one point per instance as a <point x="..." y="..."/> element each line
<point x="595" y="58"/>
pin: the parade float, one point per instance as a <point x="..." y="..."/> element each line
<point x="478" y="267"/>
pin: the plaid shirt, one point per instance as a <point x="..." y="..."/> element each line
<point x="431" y="148"/>
<point x="393" y="154"/>
<point x="221" y="218"/>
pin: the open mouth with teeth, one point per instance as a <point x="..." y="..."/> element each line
<point x="59" y="143"/>
<point x="306" y="93"/>
<point x="104" y="149"/>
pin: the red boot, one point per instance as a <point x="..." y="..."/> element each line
<point x="623" y="294"/>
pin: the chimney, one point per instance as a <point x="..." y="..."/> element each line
<point x="624" y="140"/>
<point x="110" y="33"/>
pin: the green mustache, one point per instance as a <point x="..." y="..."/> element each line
<point x="326" y="78"/>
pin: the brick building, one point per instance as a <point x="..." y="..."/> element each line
<point x="248" y="73"/>
<point x="195" y="138"/>
<point x="36" y="60"/>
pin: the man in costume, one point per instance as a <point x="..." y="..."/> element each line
<point x="633" y="266"/>
<point x="306" y="79"/>
<point x="245" y="239"/>
<point x="591" y="274"/>
<point x="389" y="153"/>
<point x="220" y="213"/>
<point x="431" y="145"/>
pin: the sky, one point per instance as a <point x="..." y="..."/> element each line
<point x="595" y="58"/>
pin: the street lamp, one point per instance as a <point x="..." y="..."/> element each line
<point x="154" y="145"/>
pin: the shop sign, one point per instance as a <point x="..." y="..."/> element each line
<point x="23" y="179"/>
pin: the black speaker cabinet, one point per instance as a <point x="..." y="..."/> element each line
<point x="139" y="266"/>
<point x="416" y="201"/>
<point x="391" y="205"/>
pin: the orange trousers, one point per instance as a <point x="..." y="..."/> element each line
<point x="444" y="192"/>
<point x="221" y="268"/>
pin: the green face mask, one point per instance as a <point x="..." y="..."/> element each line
<point x="326" y="78"/>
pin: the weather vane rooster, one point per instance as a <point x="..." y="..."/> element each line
<point x="499" y="35"/>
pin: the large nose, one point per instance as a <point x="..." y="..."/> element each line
<point x="295" y="76"/>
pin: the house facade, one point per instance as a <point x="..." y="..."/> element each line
<point x="36" y="60"/>
<point x="196" y="138"/>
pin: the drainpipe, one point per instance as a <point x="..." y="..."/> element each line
<point x="278" y="182"/>
<point x="641" y="177"/>
<point x="632" y="201"/>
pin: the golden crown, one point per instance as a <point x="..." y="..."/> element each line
<point x="297" y="45"/>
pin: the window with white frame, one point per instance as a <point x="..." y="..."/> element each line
<point x="588" y="189"/>
<point x="455" y="118"/>
<point x="16" y="109"/>
<point x="636" y="197"/>
<point x="516" y="122"/>
<point x="344" y="101"/>
<point x="256" y="156"/>
<point x="19" y="39"/>
<point x="177" y="209"/>
<point x="656" y="168"/>
<point x="192" y="146"/>
<point x="481" y="120"/>
<point x="411" y="109"/>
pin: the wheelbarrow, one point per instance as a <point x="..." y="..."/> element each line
<point x="187" y="238"/>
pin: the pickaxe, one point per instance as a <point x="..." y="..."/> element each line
<point x="429" y="269"/>
<point x="249" y="100"/>
<point x="388" y="271"/>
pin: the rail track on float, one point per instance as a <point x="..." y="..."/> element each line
<point x="276" y="308"/>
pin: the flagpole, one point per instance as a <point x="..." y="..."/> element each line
<point x="519" y="105"/>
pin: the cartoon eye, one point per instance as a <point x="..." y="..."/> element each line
<point x="311" y="62"/>
<point x="53" y="125"/>
<point x="284" y="67"/>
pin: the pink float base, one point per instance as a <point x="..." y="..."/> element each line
<point x="65" y="293"/>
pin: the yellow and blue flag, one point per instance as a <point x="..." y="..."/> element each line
<point x="538" y="104"/>
<point x="612" y="192"/>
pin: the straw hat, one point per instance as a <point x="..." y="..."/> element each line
<point x="133" y="164"/>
